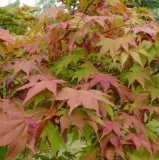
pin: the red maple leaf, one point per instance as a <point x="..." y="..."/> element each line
<point x="79" y="119"/>
<point x="144" y="29"/>
<point x="88" y="98"/>
<point x="110" y="153"/>
<point x="100" y="20"/>
<point x="106" y="81"/>
<point x="15" y="129"/>
<point x="36" y="87"/>
<point x="132" y="120"/>
<point x="80" y="33"/>
<point x="139" y="141"/>
<point x="39" y="58"/>
<point x="32" y="47"/>
<point x="111" y="140"/>
<point x="5" y="36"/>
<point x="151" y="109"/>
<point x="26" y="66"/>
<point x="111" y="126"/>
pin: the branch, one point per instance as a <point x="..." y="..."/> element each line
<point x="89" y="6"/>
<point x="74" y="5"/>
<point x="155" y="73"/>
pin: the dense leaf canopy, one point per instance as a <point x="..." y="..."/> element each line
<point x="17" y="19"/>
<point x="87" y="75"/>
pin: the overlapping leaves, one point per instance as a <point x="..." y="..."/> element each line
<point x="110" y="94"/>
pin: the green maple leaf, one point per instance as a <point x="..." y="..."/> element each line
<point x="67" y="60"/>
<point x="125" y="47"/>
<point x="154" y="127"/>
<point x="119" y="22"/>
<point x="87" y="69"/>
<point x="139" y="75"/>
<point x="150" y="132"/>
<point x="108" y="46"/>
<point x="3" y="152"/>
<point x="153" y="88"/>
<point x="89" y="154"/>
<point x="3" y="50"/>
<point x="136" y="155"/>
<point x="135" y="55"/>
<point x="54" y="138"/>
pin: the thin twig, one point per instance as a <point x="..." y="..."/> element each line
<point x="74" y="5"/>
<point x="88" y="6"/>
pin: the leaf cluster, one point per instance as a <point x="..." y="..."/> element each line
<point x="17" y="19"/>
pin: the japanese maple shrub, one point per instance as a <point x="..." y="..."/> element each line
<point x="87" y="73"/>
<point x="17" y="19"/>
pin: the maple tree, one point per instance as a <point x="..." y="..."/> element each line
<point x="86" y="72"/>
<point x="46" y="4"/>
<point x="17" y="19"/>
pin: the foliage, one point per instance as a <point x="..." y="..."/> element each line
<point x="87" y="76"/>
<point x="14" y="4"/>
<point x="17" y="19"/>
<point x="156" y="13"/>
<point x="150" y="4"/>
<point x="153" y="5"/>
<point x="43" y="4"/>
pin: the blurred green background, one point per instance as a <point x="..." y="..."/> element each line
<point x="153" y="5"/>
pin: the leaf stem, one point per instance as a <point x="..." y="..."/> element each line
<point x="88" y="6"/>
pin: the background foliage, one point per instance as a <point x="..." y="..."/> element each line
<point x="43" y="4"/>
<point x="153" y="5"/>
<point x="17" y="19"/>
